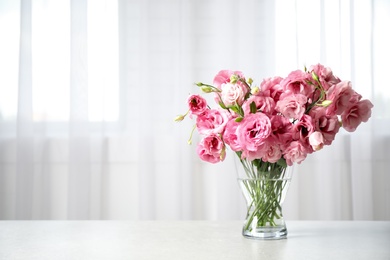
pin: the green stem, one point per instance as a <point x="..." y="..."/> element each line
<point x="264" y="185"/>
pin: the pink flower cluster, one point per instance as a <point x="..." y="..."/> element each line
<point x="282" y="119"/>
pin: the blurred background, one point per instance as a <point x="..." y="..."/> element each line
<point x="89" y="90"/>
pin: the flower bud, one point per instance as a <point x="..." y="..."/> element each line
<point x="250" y="81"/>
<point x="223" y="154"/>
<point x="314" y="76"/>
<point x="255" y="90"/>
<point x="179" y="118"/>
<point x="316" y="141"/>
<point x="206" y="89"/>
<point x="326" y="103"/>
<point x="233" y="79"/>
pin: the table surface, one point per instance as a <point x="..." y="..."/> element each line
<point x="190" y="240"/>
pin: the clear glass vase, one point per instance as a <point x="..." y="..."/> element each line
<point x="264" y="186"/>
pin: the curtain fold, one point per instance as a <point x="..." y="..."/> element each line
<point x="24" y="132"/>
<point x="79" y="135"/>
<point x="87" y="131"/>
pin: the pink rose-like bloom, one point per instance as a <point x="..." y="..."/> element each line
<point x="356" y="114"/>
<point x="282" y="129"/>
<point x="253" y="130"/>
<point x="273" y="152"/>
<point x="325" y="75"/>
<point x="233" y="94"/>
<point x="212" y="121"/>
<point x="355" y="98"/>
<point x="303" y="129"/>
<point x="197" y="104"/>
<point x="211" y="149"/>
<point x="328" y="125"/>
<point x="257" y="154"/>
<point x="264" y="104"/>
<point x="271" y="87"/>
<point x="292" y="105"/>
<point x="230" y="135"/>
<point x="316" y="141"/>
<point x="295" y="152"/>
<point x="340" y="95"/>
<point x="223" y="76"/>
<point x="297" y="83"/>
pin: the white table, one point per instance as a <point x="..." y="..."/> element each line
<point x="183" y="240"/>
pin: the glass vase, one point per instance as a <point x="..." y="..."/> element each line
<point x="264" y="186"/>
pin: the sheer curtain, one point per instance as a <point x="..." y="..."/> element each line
<point x="89" y="90"/>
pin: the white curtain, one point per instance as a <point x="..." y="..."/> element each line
<point x="89" y="90"/>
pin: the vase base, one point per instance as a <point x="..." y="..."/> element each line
<point x="266" y="233"/>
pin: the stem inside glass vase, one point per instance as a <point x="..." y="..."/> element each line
<point x="264" y="186"/>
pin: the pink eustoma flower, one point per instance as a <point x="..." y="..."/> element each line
<point x="230" y="135"/>
<point x="273" y="152"/>
<point x="212" y="121"/>
<point x="292" y="105"/>
<point x="211" y="149"/>
<point x="325" y="75"/>
<point x="271" y="87"/>
<point x="328" y="125"/>
<point x="282" y="129"/>
<point x="302" y="129"/>
<point x="356" y="114"/>
<point x="232" y="94"/>
<point x="297" y="82"/>
<point x="259" y="153"/>
<point x="340" y="95"/>
<point x="263" y="104"/>
<point x="253" y="130"/>
<point x="295" y="152"/>
<point x="223" y="76"/>
<point x="197" y="104"/>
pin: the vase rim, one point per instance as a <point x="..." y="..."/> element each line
<point x="265" y="178"/>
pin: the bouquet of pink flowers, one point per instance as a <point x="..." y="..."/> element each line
<point x="270" y="127"/>
<point x="281" y="121"/>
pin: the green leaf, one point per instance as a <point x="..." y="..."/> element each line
<point x="240" y="110"/>
<point x="256" y="162"/>
<point x="222" y="105"/>
<point x="282" y="162"/>
<point x="253" y="107"/>
<point x="234" y="108"/>
<point x="239" y="119"/>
